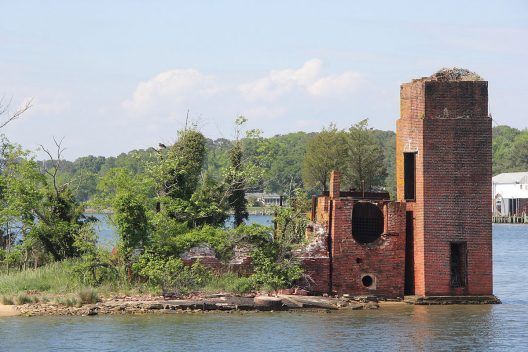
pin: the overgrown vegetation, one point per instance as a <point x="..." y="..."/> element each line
<point x="165" y="202"/>
<point x="176" y="203"/>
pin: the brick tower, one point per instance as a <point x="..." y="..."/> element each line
<point x="443" y="172"/>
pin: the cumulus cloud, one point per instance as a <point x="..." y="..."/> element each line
<point x="170" y="88"/>
<point x="337" y="85"/>
<point x="307" y="91"/>
<point x="308" y="78"/>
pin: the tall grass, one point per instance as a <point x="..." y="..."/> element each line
<point x="229" y="282"/>
<point x="59" y="278"/>
<point x="54" y="278"/>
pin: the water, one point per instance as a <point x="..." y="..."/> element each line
<point x="395" y="328"/>
<point x="108" y="237"/>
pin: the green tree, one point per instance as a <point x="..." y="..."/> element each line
<point x="182" y="165"/>
<point x="366" y="166"/>
<point x="520" y="152"/>
<point x="128" y="196"/>
<point x="235" y="179"/>
<point x="325" y="151"/>
<point x="237" y="193"/>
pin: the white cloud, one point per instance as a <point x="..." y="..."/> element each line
<point x="336" y="85"/>
<point x="281" y="99"/>
<point x="170" y="88"/>
<point x="308" y="79"/>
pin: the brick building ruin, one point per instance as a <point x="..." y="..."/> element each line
<point x="435" y="239"/>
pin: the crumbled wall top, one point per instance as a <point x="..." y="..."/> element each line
<point x="453" y="74"/>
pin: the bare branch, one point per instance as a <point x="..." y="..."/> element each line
<point x="4" y="109"/>
<point x="56" y="161"/>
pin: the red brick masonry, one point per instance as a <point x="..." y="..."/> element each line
<point x="446" y="125"/>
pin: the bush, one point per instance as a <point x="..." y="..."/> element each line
<point x="8" y="301"/>
<point x="94" y="272"/>
<point x="170" y="274"/>
<point x="272" y="274"/>
<point x="23" y="299"/>
<point x="243" y="285"/>
<point x="230" y="282"/>
<point x="215" y="237"/>
<point x="88" y="296"/>
<point x="69" y="301"/>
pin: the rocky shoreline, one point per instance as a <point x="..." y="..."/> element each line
<point x="214" y="303"/>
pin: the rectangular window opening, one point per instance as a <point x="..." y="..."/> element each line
<point x="458" y="264"/>
<point x="409" y="168"/>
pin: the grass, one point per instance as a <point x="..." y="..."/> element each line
<point x="88" y="296"/>
<point x="23" y="299"/>
<point x="54" y="278"/>
<point x="57" y="282"/>
<point x="8" y="301"/>
<point x="229" y="282"/>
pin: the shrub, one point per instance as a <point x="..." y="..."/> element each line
<point x="272" y="274"/>
<point x="69" y="301"/>
<point x="215" y="237"/>
<point x="23" y="299"/>
<point x="170" y="274"/>
<point x="230" y="282"/>
<point x="242" y="285"/>
<point x="8" y="301"/>
<point x="88" y="296"/>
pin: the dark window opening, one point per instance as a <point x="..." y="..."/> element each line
<point x="458" y="264"/>
<point x="367" y="280"/>
<point x="409" y="169"/>
<point x="359" y="260"/>
<point x="367" y="222"/>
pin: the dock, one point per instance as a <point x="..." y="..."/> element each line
<point x="511" y="219"/>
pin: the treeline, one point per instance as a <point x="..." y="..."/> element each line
<point x="281" y="158"/>
<point x="510" y="149"/>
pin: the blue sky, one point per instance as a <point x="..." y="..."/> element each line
<point x="111" y="76"/>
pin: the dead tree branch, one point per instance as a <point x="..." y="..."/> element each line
<point x="56" y="162"/>
<point x="4" y="109"/>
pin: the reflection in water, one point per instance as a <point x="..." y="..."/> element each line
<point x="394" y="327"/>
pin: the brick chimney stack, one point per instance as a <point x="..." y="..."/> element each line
<point x="335" y="183"/>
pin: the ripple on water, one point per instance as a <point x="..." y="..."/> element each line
<point x="408" y="328"/>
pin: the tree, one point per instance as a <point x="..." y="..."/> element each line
<point x="182" y="165"/>
<point x="128" y="196"/>
<point x="325" y="151"/>
<point x="60" y="217"/>
<point x="520" y="152"/>
<point x="365" y="158"/>
<point x="237" y="194"/>
<point x="21" y="191"/>
<point x="241" y="173"/>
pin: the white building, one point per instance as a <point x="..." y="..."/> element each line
<point x="510" y="193"/>
<point x="265" y="199"/>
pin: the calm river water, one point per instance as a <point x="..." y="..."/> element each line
<point x="400" y="328"/>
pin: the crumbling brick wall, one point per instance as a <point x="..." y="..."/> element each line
<point x="383" y="260"/>
<point x="341" y="261"/>
<point x="315" y="261"/>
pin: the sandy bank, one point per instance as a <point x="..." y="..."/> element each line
<point x="8" y="311"/>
